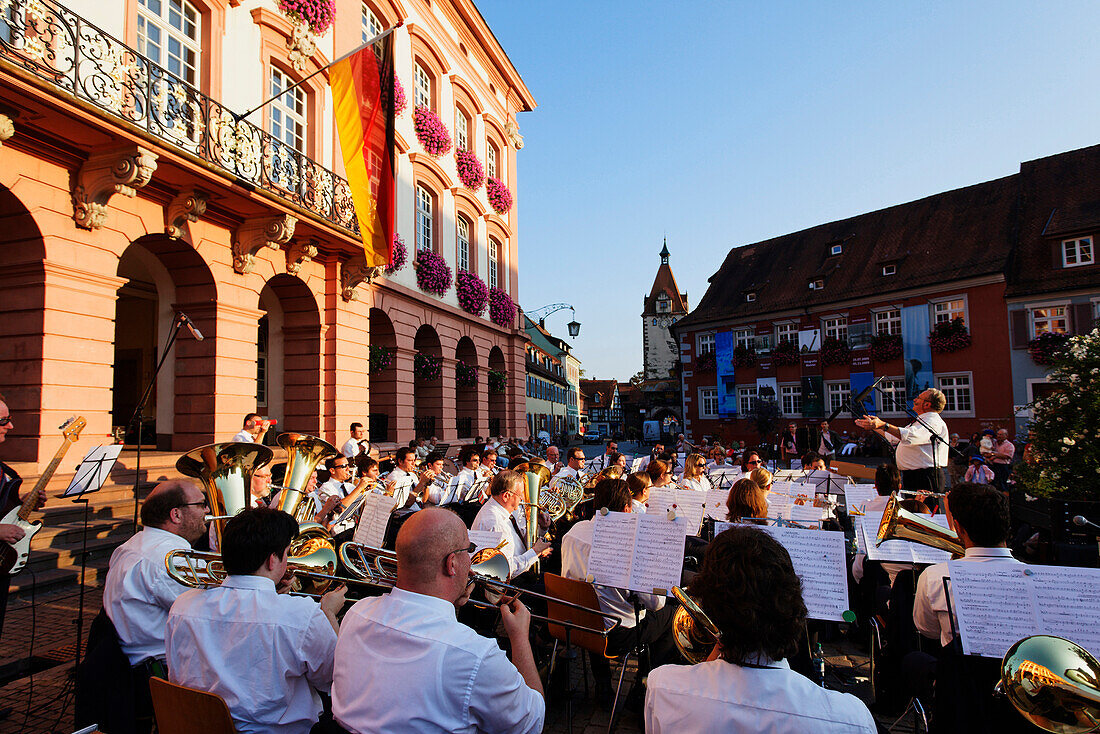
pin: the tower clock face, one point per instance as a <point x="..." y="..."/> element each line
<point x="663" y="321"/>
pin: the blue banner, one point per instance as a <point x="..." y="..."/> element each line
<point x="859" y="381"/>
<point x="727" y="388"/>
<point x="916" y="350"/>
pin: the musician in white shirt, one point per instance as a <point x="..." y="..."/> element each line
<point x="429" y="490"/>
<point x="657" y="452"/>
<point x="604" y="460"/>
<point x="576" y="462"/>
<point x="507" y="491"/>
<point x="254" y="429"/>
<point x="748" y="588"/>
<point x="639" y="483"/>
<point x="695" y="474"/>
<point x="358" y="442"/>
<point x="468" y="476"/>
<point x="405" y="664"/>
<point x="404" y="477"/>
<point x="553" y="460"/>
<point x="921" y="447"/>
<point x="263" y="652"/>
<point x="138" y="591"/>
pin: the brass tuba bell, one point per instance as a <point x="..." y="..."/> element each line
<point x="1054" y="683"/>
<point x="225" y="470"/>
<point x="693" y="631"/>
<point x="303" y="454"/>
<point x="900" y="524"/>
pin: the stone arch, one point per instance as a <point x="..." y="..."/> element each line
<point x="498" y="401"/>
<point x="382" y="421"/>
<point x="294" y="344"/>
<point x="467" y="404"/>
<point x="428" y="393"/>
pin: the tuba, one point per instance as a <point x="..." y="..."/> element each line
<point x="900" y="524"/>
<point x="303" y="454"/>
<point x="1053" y="683"/>
<point x="225" y="470"/>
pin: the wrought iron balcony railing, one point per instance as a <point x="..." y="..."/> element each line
<point x="77" y="58"/>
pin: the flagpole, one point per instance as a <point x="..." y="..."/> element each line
<point x="305" y="79"/>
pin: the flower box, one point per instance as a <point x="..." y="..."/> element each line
<point x="886" y="347"/>
<point x="1046" y="347"/>
<point x="317" y="15"/>
<point x="470" y="172"/>
<point x="433" y="274"/>
<point x="380" y="358"/>
<point x="743" y="356"/>
<point x="426" y="367"/>
<point x="399" y="100"/>
<point x="473" y="294"/>
<point x="500" y="198"/>
<point x="399" y="255"/>
<point x="706" y="362"/>
<point x="498" y="381"/>
<point x="835" y="351"/>
<point x="502" y="310"/>
<point x="785" y="354"/>
<point x="465" y="374"/>
<point x="431" y="132"/>
<point x="949" y="336"/>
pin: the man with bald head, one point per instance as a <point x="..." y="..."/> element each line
<point x="405" y="664"/>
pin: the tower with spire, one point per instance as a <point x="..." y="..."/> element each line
<point x="664" y="306"/>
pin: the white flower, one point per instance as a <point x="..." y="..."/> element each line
<point x="1068" y="441"/>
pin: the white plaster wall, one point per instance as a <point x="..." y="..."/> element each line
<point x="110" y="17"/>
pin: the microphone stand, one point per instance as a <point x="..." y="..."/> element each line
<point x="139" y="412"/>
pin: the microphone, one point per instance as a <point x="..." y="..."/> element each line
<point x="1081" y="521"/>
<point x="191" y="327"/>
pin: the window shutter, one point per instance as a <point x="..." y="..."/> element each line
<point x="1056" y="255"/>
<point x="1020" y="333"/>
<point x="1082" y="318"/>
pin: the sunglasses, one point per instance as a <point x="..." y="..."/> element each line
<point x="5" y="421"/>
<point x="469" y="549"/>
<point x="754" y="461"/>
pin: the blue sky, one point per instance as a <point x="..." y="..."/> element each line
<point x="718" y="124"/>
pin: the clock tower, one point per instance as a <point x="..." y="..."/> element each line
<point x="664" y="306"/>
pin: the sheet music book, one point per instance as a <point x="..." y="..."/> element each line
<point x="857" y="495"/>
<point x="779" y="504"/>
<point x="818" y="559"/>
<point x="93" y="470"/>
<point x="636" y="465"/>
<point x="687" y="503"/>
<point x="486" y="538"/>
<point x="474" y="490"/>
<point x="721" y="526"/>
<point x="716" y="503"/>
<point x="796" y="464"/>
<point x="898" y="551"/>
<point x="637" y="552"/>
<point x="371" y="528"/>
<point x="450" y="491"/>
<point x="997" y="604"/>
<point x="806" y="514"/>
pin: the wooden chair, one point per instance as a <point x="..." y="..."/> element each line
<point x="182" y="710"/>
<point x="582" y="593"/>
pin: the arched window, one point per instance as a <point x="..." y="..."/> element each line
<point x="425" y="204"/>
<point x="462" y="227"/>
<point x="371" y="25"/>
<point x="288" y="111"/>
<point x="462" y="129"/>
<point x="422" y="86"/>
<point x="169" y="33"/>
<point x="494" y="263"/>
<point x="491" y="159"/>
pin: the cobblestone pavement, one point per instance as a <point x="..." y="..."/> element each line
<point x="39" y="641"/>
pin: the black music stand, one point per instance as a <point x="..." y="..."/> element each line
<point x="90" y="477"/>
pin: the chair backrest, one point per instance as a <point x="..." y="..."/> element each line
<point x="577" y="592"/>
<point x="181" y="710"/>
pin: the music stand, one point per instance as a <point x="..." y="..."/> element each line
<point x="90" y="477"/>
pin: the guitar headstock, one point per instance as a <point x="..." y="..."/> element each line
<point x="71" y="430"/>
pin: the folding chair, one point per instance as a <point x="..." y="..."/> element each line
<point x="183" y="710"/>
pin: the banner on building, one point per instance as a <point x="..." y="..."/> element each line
<point x="767" y="388"/>
<point x="916" y="350"/>
<point x="813" y="396"/>
<point x="809" y="340"/>
<point x="857" y="382"/>
<point x="727" y="387"/>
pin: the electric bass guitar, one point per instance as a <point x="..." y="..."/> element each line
<point x="13" y="556"/>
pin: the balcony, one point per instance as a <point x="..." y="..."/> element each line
<point x="76" y="59"/>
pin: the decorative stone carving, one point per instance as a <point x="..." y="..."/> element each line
<point x="257" y="233"/>
<point x="7" y="127"/>
<point x="511" y="129"/>
<point x="118" y="171"/>
<point x="188" y="206"/>
<point x="354" y="272"/>
<point x="298" y="253"/>
<point x="302" y="44"/>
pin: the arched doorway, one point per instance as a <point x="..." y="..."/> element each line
<point x="382" y="420"/>
<point x="288" y="366"/>
<point x="466" y="402"/>
<point x="427" y="388"/>
<point x="498" y="394"/>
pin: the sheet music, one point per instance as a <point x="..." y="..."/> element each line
<point x="371" y="529"/>
<point x="806" y="514"/>
<point x="861" y="538"/>
<point x="721" y="526"/>
<point x="450" y="491"/>
<point x="779" y="505"/>
<point x="93" y="470"/>
<point x="613" y="537"/>
<point x="486" y="538"/>
<point x="687" y="503"/>
<point x="637" y="552"/>
<point x="818" y="559"/>
<point x="899" y="551"/>
<point x="1067" y="602"/>
<point x="857" y="495"/>
<point x="636" y="465"/>
<point x="716" y="503"/>
<point x="796" y="464"/>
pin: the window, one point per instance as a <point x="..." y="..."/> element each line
<point x="371" y="25"/>
<point x="288" y="112"/>
<point x="836" y="249"/>
<point x="817" y="284"/>
<point x="944" y="311"/>
<point x="422" y="87"/>
<point x="763" y="343"/>
<point x="750" y="297"/>
<point x="704" y="344"/>
<point x="746" y="400"/>
<point x="168" y="33"/>
<point x="892" y="396"/>
<point x="1051" y="319"/>
<point x="462" y="228"/>
<point x="261" y="363"/>
<point x="791" y="399"/>
<point x="888" y="321"/>
<point x="494" y="255"/>
<point x="462" y="129"/>
<point x="424" y="221"/>
<point x="837" y="394"/>
<point x="956" y="388"/>
<point x="708" y="402"/>
<point x="837" y="328"/>
<point x="1077" y="252"/>
<point x="889" y="269"/>
<point x="786" y="333"/>
<point x="745" y="338"/>
<point x="491" y="159"/>
<point x="664" y="303"/>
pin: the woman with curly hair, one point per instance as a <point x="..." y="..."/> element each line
<point x="748" y="588"/>
<point x="747" y="499"/>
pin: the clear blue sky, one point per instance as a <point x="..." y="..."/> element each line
<point x="718" y="124"/>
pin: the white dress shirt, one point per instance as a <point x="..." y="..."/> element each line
<point x="930" y="613"/>
<point x="575" y="547"/>
<point x="263" y="652"/>
<point x="466" y="479"/>
<point x="351" y="447"/>
<point x="718" y="696"/>
<point x="335" y="487"/>
<point x="244" y="436"/>
<point x="404" y="664"/>
<point x="404" y="482"/>
<point x="495" y="517"/>
<point x="914" y="448"/>
<point x="635" y="506"/>
<point x="139" y="592"/>
<point x="700" y="483"/>
<point x="567" y="472"/>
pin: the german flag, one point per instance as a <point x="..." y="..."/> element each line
<point x="362" y="95"/>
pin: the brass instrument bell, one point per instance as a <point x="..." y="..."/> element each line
<point x="901" y="524"/>
<point x="303" y="454"/>
<point x="225" y="471"/>
<point x="693" y="631"/>
<point x="1054" y="683"/>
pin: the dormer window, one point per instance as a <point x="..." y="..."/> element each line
<point x="750" y="296"/>
<point x="664" y="303"/>
<point x="817" y="284"/>
<point x="1077" y="252"/>
<point x="836" y="249"/>
<point x="890" y="269"/>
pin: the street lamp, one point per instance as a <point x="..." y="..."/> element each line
<point x="541" y="313"/>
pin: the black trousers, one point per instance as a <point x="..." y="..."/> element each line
<point x="922" y="479"/>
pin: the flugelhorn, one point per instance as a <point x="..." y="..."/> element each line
<point x="1054" y="683"/>
<point x="901" y="524"/>
<point x="693" y="631"/>
<point x="225" y="471"/>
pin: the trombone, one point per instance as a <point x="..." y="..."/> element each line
<point x="204" y="570"/>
